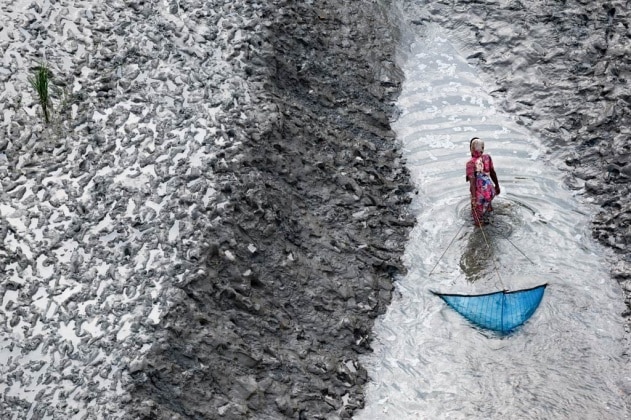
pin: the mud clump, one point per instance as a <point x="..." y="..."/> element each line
<point x="306" y="236"/>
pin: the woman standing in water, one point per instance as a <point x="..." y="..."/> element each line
<point x="483" y="183"/>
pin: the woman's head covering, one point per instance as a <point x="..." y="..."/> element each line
<point x="477" y="147"/>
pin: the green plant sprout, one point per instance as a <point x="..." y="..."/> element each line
<point x="40" y="81"/>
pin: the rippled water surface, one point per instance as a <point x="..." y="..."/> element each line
<point x="429" y="363"/>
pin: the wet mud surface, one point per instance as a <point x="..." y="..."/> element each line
<point x="212" y="220"/>
<point x="307" y="234"/>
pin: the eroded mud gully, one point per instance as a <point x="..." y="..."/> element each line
<point x="308" y="232"/>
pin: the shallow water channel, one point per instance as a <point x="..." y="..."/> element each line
<point x="429" y="362"/>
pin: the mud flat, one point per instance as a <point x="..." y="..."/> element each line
<point x="105" y="211"/>
<point x="214" y="216"/>
<point x="306" y="236"/>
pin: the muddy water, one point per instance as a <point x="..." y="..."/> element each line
<point x="565" y="363"/>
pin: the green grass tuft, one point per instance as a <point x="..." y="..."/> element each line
<point x="40" y="81"/>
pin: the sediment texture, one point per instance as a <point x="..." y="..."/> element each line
<point x="307" y="235"/>
<point x="104" y="210"/>
<point x="213" y="218"/>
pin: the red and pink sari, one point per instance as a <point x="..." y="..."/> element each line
<point x="479" y="168"/>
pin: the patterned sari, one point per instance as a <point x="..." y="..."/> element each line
<point x="479" y="168"/>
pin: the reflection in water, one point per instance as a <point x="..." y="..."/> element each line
<point x="476" y="260"/>
<point x="479" y="258"/>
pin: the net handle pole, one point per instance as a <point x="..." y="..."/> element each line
<point x="517" y="248"/>
<point x="445" y="251"/>
<point x="522" y="252"/>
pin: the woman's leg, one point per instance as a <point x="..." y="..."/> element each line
<point x="484" y="195"/>
<point x="478" y="210"/>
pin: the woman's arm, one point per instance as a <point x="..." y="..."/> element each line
<point x="495" y="181"/>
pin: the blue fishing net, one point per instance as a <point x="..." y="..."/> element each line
<point x="500" y="311"/>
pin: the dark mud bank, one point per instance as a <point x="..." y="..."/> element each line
<point x="307" y="236"/>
